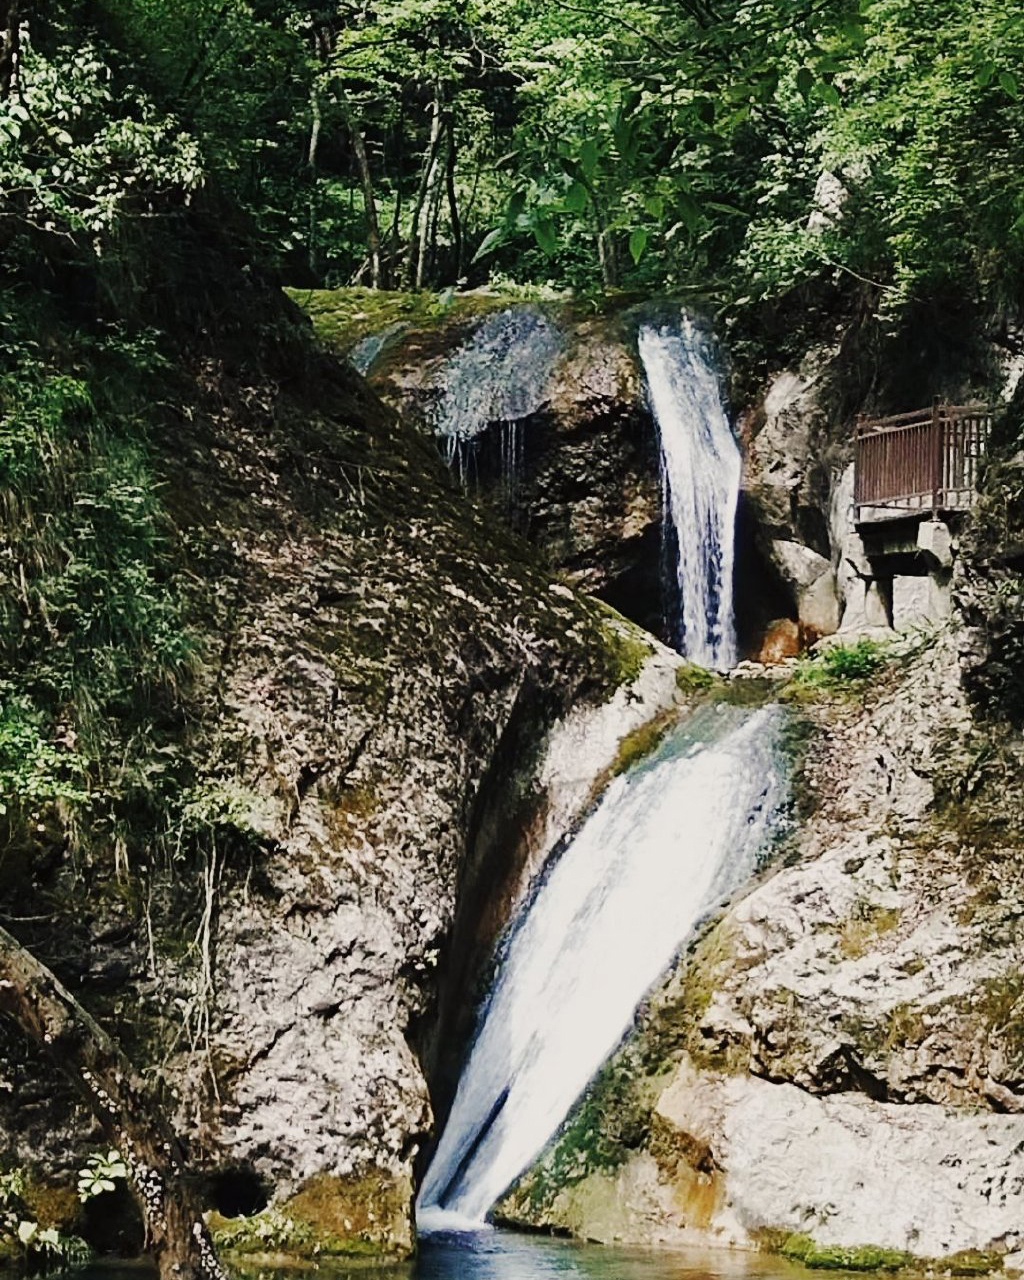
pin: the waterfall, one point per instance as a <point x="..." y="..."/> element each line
<point x="700" y="477"/>
<point x="500" y="374"/>
<point x="669" y="839"/>
<point x="481" y="395"/>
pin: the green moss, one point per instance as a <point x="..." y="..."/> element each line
<point x="343" y="317"/>
<point x="803" y="1249"/>
<point x="676" y="1012"/>
<point x="971" y="1262"/>
<point x="608" y="1123"/>
<point x="627" y="647"/>
<point x="692" y="679"/>
<point x="642" y="741"/>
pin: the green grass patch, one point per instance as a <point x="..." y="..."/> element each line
<point x="836" y="669"/>
<point x="865" y="926"/>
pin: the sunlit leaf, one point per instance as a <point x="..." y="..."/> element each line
<point x="576" y="198"/>
<point x="544" y="234"/>
<point x="637" y="243"/>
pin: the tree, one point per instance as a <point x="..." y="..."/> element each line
<point x="51" y="1019"/>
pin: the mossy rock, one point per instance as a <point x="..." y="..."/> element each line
<point x="802" y="1248"/>
<point x="329" y="1217"/>
<point x="53" y="1206"/>
<point x="343" y="317"/>
<point x="642" y="741"/>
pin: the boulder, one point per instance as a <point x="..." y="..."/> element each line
<point x="781" y="641"/>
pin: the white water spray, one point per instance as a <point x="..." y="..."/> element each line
<point x="700" y="476"/>
<point x="667" y="842"/>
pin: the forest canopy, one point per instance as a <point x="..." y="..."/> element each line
<point x="744" y="147"/>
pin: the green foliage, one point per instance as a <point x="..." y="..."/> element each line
<point x="225" y="807"/>
<point x="102" y="1173"/>
<point x="80" y="152"/>
<point x="750" y="149"/>
<point x="24" y="1240"/>
<point x="34" y="771"/>
<point x="836" y="668"/>
<point x="92" y="641"/>
<point x="1002" y="1010"/>
<point x="278" y="1231"/>
<point x="853" y="662"/>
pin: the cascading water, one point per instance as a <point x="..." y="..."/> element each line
<point x="669" y="839"/>
<point x="500" y="376"/>
<point x="700" y="476"/>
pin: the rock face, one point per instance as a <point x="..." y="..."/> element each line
<point x="838" y="1058"/>
<point x="371" y="650"/>
<point x="788" y="486"/>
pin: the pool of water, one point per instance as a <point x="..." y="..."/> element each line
<point x="509" y="1255"/>
<point x="506" y="1255"/>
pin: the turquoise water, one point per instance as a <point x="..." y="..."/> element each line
<point x="507" y="1255"/>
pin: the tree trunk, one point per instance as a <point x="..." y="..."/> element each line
<point x="428" y="241"/>
<point x="413" y="267"/>
<point x="10" y="39"/>
<point x="453" y="204"/>
<point x="52" y="1019"/>
<point x="394" y="234"/>
<point x="315" y="121"/>
<point x="369" y="200"/>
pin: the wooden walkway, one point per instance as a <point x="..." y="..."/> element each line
<point x="925" y="462"/>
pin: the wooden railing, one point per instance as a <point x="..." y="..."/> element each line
<point x="927" y="460"/>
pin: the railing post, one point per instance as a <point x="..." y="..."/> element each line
<point x="858" y="464"/>
<point x="936" y="457"/>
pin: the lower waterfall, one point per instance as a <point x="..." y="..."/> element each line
<point x="670" y="838"/>
<point x="700" y="475"/>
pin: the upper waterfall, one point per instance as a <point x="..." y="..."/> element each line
<point x="498" y="377"/>
<point x="669" y="839"/>
<point x="700" y="471"/>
